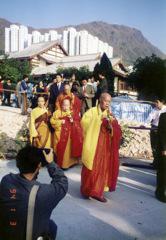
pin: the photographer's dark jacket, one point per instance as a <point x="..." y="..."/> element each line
<point x="14" y="195"/>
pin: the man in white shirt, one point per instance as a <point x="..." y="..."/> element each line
<point x="153" y="118"/>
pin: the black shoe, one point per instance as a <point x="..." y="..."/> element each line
<point x="100" y="199"/>
<point x="85" y="197"/>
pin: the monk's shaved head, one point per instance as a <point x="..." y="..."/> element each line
<point x="66" y="105"/>
<point x="105" y="101"/>
<point x="104" y="96"/>
<point x="66" y="101"/>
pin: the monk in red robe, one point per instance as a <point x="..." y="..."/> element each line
<point x="100" y="156"/>
<point x="68" y="137"/>
<point x="76" y="103"/>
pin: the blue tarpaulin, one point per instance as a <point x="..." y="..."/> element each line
<point x="125" y="107"/>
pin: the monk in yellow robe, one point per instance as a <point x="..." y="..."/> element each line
<point x="102" y="135"/>
<point x="40" y="135"/>
<point x="67" y="142"/>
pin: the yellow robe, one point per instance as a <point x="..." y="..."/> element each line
<point x="56" y="123"/>
<point x="42" y="129"/>
<point x="91" y="123"/>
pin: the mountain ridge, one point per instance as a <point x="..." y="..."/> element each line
<point x="128" y="43"/>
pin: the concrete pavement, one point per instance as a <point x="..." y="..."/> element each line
<point x="132" y="212"/>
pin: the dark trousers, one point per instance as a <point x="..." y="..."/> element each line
<point x="6" y="97"/>
<point x="161" y="179"/>
<point x="154" y="144"/>
<point x="51" y="107"/>
<point x="94" y="101"/>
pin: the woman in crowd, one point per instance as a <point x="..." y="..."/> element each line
<point x="40" y="87"/>
<point x="68" y="138"/>
<point x="39" y="90"/>
<point x="40" y="135"/>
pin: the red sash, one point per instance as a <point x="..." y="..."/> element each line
<point x="73" y="130"/>
<point x="76" y="139"/>
<point x="61" y="146"/>
<point x="115" y="144"/>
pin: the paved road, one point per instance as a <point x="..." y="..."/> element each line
<point x="132" y="212"/>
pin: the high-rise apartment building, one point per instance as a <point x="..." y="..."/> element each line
<point x="29" y="40"/>
<point x="83" y="42"/>
<point x="65" y="40"/>
<point x="23" y="37"/>
<point x="7" y="40"/>
<point x="14" y="40"/>
<point x="72" y="41"/>
<point x="53" y="35"/>
<point x="36" y="36"/>
<point x="46" y="37"/>
<point x="75" y="43"/>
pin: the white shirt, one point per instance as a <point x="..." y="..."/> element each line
<point x="155" y="115"/>
<point x="84" y="88"/>
<point x="95" y="86"/>
<point x="59" y="85"/>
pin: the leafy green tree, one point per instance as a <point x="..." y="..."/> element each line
<point x="2" y="52"/>
<point x="79" y="73"/>
<point x="14" y="69"/>
<point x="67" y="72"/>
<point x="83" y="72"/>
<point x="149" y="77"/>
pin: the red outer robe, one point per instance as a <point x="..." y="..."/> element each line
<point x="105" y="165"/>
<point x="72" y="130"/>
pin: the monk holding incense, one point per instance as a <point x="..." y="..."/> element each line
<point x="100" y="156"/>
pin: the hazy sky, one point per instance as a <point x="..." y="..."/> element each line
<point x="149" y="16"/>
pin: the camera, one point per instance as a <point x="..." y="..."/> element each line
<point x="43" y="160"/>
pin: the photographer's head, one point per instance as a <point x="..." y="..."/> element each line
<point x="28" y="161"/>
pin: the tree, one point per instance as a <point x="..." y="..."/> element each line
<point x="83" y="72"/>
<point x="149" y="77"/>
<point x="105" y="67"/>
<point x="79" y="73"/>
<point x="67" y="72"/>
<point x="2" y="52"/>
<point x="96" y="71"/>
<point x="14" y="69"/>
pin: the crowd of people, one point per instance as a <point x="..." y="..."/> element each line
<point x="75" y="130"/>
<point x="26" y="92"/>
<point x="69" y="123"/>
<point x="66" y="122"/>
